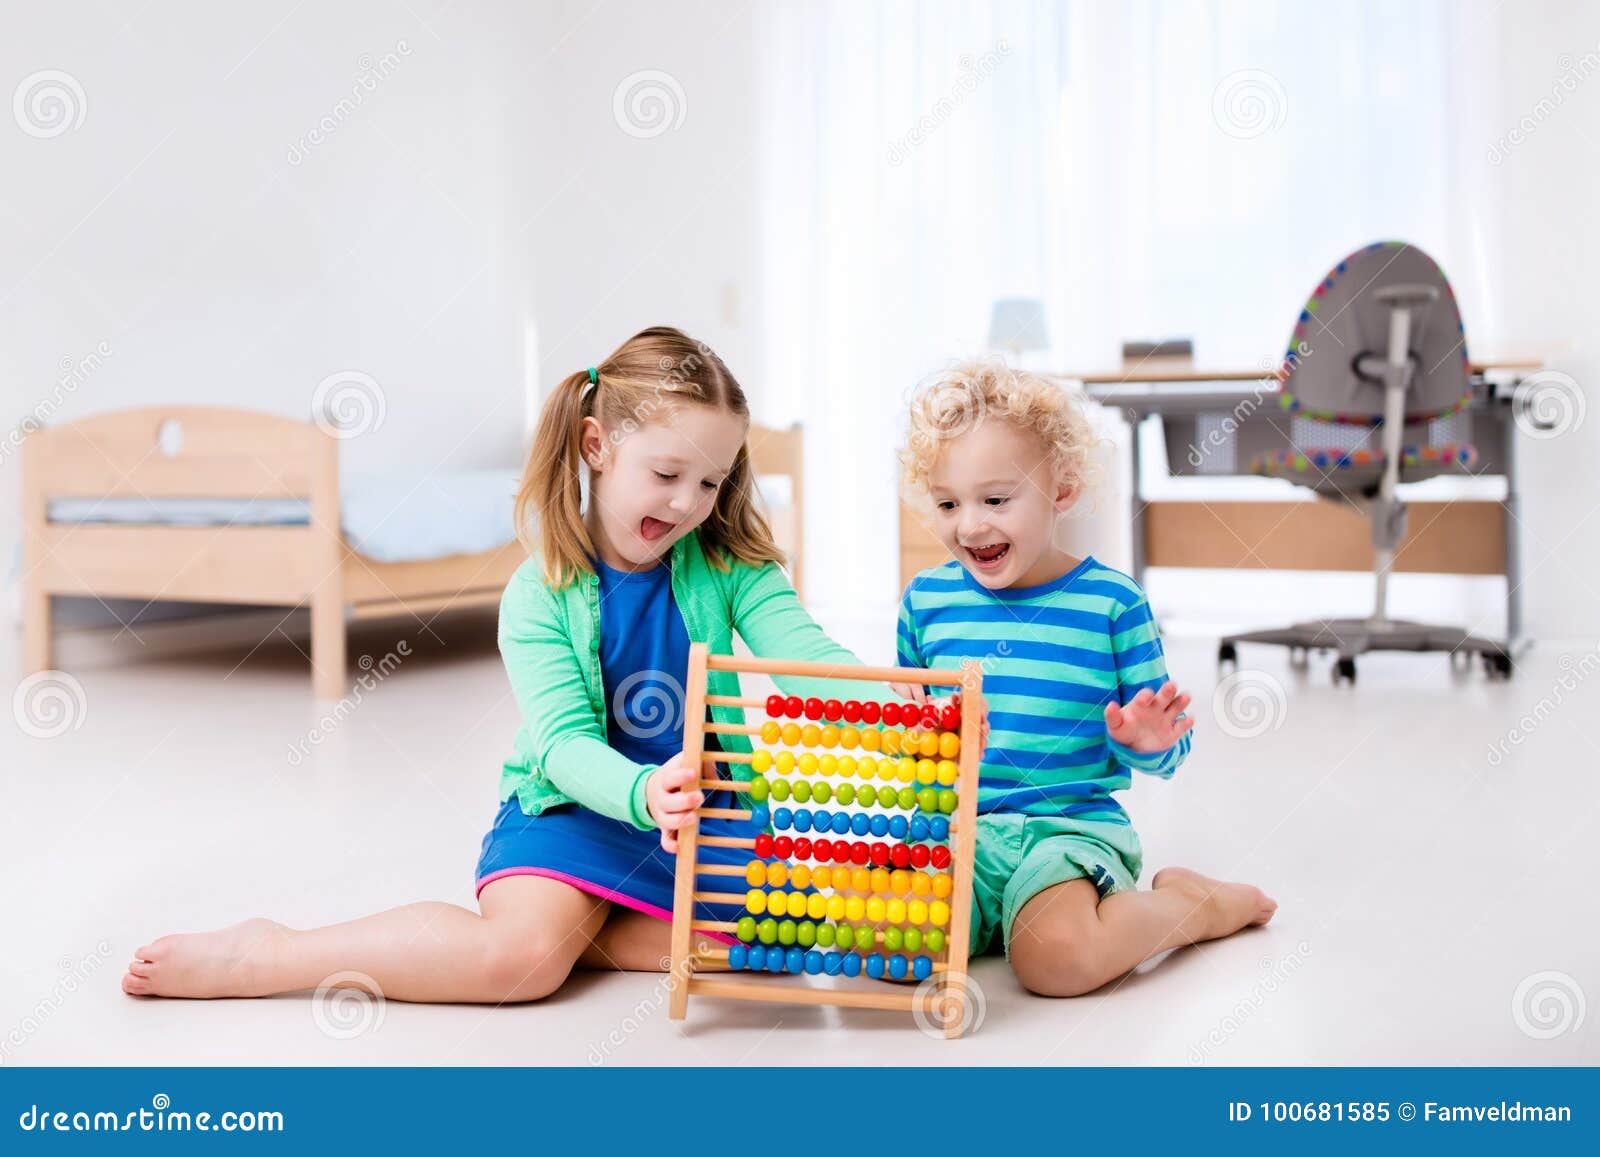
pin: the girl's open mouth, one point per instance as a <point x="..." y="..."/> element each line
<point x="990" y="557"/>
<point x="652" y="529"/>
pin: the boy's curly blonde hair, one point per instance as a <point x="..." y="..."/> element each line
<point x="964" y="395"/>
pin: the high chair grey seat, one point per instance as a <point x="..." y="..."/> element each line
<point x="1375" y="372"/>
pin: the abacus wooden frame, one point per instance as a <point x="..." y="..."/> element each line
<point x="948" y="1000"/>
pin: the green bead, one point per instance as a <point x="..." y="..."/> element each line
<point x="806" y="934"/>
<point x="887" y="796"/>
<point x="767" y="931"/>
<point x="846" y="936"/>
<point x="747" y="928"/>
<point x="759" y="789"/>
<point x="947" y="801"/>
<point x="928" y="799"/>
<point x="866" y="937"/>
<point x="934" y="939"/>
<point x="893" y="938"/>
<point x="907" y="798"/>
<point x="825" y="935"/>
<point x="787" y="932"/>
<point x="847" y="794"/>
<point x="780" y="789"/>
<point x="821" y="793"/>
<point x="802" y="791"/>
<point x="913" y="939"/>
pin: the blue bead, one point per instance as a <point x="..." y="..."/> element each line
<point x="919" y="827"/>
<point x="820" y="819"/>
<point x="875" y="966"/>
<point x="922" y="967"/>
<point x="794" y="960"/>
<point x="782" y="818"/>
<point x="814" y="962"/>
<point x="802" y="820"/>
<point x="880" y="825"/>
<point x="737" y="953"/>
<point x="757" y="959"/>
<point x="851" y="965"/>
<point x="939" y="828"/>
<point x="761" y="816"/>
<point x="841" y="824"/>
<point x="775" y="960"/>
<point x="832" y="962"/>
<point x="898" y="827"/>
<point x="861" y="824"/>
<point x="897" y="967"/>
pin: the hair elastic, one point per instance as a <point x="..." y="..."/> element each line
<point x="594" y="376"/>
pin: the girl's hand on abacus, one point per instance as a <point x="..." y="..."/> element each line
<point x="1152" y="721"/>
<point x="913" y="691"/>
<point x="672" y="793"/>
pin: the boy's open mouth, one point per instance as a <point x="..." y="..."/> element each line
<point x="652" y="529"/>
<point x="990" y="557"/>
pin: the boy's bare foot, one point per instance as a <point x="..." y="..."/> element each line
<point x="203" y="965"/>
<point x="1221" y="907"/>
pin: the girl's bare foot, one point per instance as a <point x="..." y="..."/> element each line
<point x="203" y="965"/>
<point x="1221" y="908"/>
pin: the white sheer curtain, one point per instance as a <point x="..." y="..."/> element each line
<point x="1147" y="169"/>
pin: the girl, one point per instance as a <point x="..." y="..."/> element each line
<point x="594" y="629"/>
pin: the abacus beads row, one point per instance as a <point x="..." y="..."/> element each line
<point x="947" y="716"/>
<point x="899" y="882"/>
<point x="758" y="958"/>
<point x="816" y="906"/>
<point x="929" y="799"/>
<point x="860" y="852"/>
<point x="840" y="823"/>
<point x="904" y="768"/>
<point x="807" y="935"/>
<point x="927" y="743"/>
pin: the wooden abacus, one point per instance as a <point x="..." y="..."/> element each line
<point x="834" y="917"/>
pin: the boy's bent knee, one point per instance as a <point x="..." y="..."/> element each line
<point x="1056" y="962"/>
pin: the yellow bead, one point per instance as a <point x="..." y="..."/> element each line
<point x="847" y="765"/>
<point x="816" y="906"/>
<point x="836" y="908"/>
<point x="916" y="912"/>
<point x="807" y="762"/>
<point x="849" y="738"/>
<point x="920" y="884"/>
<point x="800" y="876"/>
<point x="777" y="873"/>
<point x="891" y="743"/>
<point x="899" y="881"/>
<point x="928" y="745"/>
<point x="949" y="745"/>
<point x="948" y="772"/>
<point x="771" y="731"/>
<point x="880" y="879"/>
<point x="755" y="873"/>
<point x="895" y="911"/>
<point x="784" y="762"/>
<point x="943" y="885"/>
<point x="861" y="879"/>
<point x="854" y="908"/>
<point x="828" y="764"/>
<point x="761" y="761"/>
<point x="797" y="903"/>
<point x="875" y="908"/>
<point x="809" y="734"/>
<point x="939" y="913"/>
<point x="867" y="766"/>
<point x="925" y="771"/>
<point x="755" y="901"/>
<point x="791" y="733"/>
<point x="829" y="737"/>
<point x="871" y="740"/>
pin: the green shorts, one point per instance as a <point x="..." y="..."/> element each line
<point x="1018" y="856"/>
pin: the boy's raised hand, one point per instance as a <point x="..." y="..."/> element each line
<point x="672" y="793"/>
<point x="1150" y="722"/>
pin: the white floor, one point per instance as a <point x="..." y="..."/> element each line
<point x="1438" y="904"/>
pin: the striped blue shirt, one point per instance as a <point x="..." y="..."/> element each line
<point x="1053" y="656"/>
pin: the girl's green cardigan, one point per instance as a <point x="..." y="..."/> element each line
<point x="550" y="640"/>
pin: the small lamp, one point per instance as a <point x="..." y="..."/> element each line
<point x="1017" y="325"/>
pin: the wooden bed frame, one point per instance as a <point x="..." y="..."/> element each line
<point x="225" y="452"/>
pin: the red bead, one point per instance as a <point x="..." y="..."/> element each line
<point x="919" y="856"/>
<point x="941" y="856"/>
<point x="900" y="856"/>
<point x="950" y="718"/>
<point x="793" y="706"/>
<point x="783" y="847"/>
<point x="832" y="710"/>
<point x="802" y="849"/>
<point x="852" y="712"/>
<point x="880" y="855"/>
<point x="813" y="708"/>
<point x="822" y="851"/>
<point x="763" y="845"/>
<point x="930" y="715"/>
<point x="860" y="853"/>
<point x="891" y="714"/>
<point x="774" y="705"/>
<point x="871" y="713"/>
